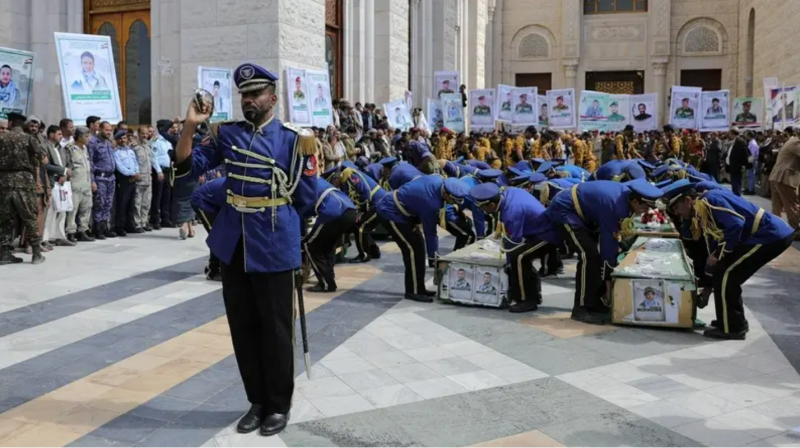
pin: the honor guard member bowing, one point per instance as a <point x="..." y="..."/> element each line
<point x="605" y="207"/>
<point x="387" y="165"/>
<point x="336" y="215"/>
<point x="365" y="193"/>
<point x="496" y="177"/>
<point x="465" y="173"/>
<point x="422" y="200"/>
<point x="270" y="187"/>
<point x="544" y="189"/>
<point x="741" y="238"/>
<point x="207" y="201"/>
<point x="620" y="171"/>
<point x="401" y="174"/>
<point x="419" y="155"/>
<point x="526" y="234"/>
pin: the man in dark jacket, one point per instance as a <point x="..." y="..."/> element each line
<point x="737" y="161"/>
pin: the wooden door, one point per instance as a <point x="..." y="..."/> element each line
<point x="542" y="81"/>
<point x="706" y="79"/>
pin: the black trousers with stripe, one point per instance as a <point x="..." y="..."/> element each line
<point x="589" y="285"/>
<point x="320" y="246"/>
<point x="524" y="283"/>
<point x="461" y="228"/>
<point x="363" y="235"/>
<point x="731" y="272"/>
<point x="412" y="246"/>
<point x="207" y="219"/>
<point x="260" y="311"/>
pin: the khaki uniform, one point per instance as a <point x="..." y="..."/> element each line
<point x="19" y="164"/>
<point x="79" y="161"/>
<point x="144" y="185"/>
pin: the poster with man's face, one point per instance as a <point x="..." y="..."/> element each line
<point x="297" y="97"/>
<point x="593" y="110"/>
<point x="644" y="112"/>
<point x="748" y="112"/>
<point x="321" y="108"/>
<point x="619" y="111"/>
<point x="487" y="287"/>
<point x="445" y="82"/>
<point x="461" y="281"/>
<point x="648" y="300"/>
<point x="562" y="108"/>
<point x="218" y="82"/>
<point x="88" y="76"/>
<point x="16" y="69"/>
<point x="453" y="112"/>
<point x="683" y="109"/>
<point x="398" y="115"/>
<point x="505" y="111"/>
<point x="544" y="111"/>
<point x="524" y="103"/>
<point x="434" y="114"/>
<point x="715" y="107"/>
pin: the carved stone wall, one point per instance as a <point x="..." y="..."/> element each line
<point x="702" y="39"/>
<point x="533" y="46"/>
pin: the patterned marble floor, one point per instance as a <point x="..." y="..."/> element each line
<point x="123" y="343"/>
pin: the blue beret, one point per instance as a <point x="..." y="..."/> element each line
<point x="489" y="174"/>
<point x="362" y="161"/>
<point x="388" y="161"/>
<point x="545" y="167"/>
<point x="349" y="164"/>
<point x="644" y="189"/>
<point x="456" y="187"/>
<point x="537" y="177"/>
<point x="645" y="164"/>
<point x="460" y="159"/>
<point x="482" y="193"/>
<point x="251" y="77"/>
<point x="120" y="134"/>
<point x="518" y="172"/>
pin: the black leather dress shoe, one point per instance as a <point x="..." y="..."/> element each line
<point x="717" y="333"/>
<point x="419" y="298"/>
<point x="588" y="317"/>
<point x="430" y="293"/>
<point x="252" y="420"/>
<point x="274" y="423"/>
<point x="523" y="307"/>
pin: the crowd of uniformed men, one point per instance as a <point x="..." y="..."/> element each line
<point x="518" y="188"/>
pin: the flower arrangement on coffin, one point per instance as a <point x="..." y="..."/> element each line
<point x="654" y="218"/>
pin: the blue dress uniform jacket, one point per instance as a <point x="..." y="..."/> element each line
<point x="210" y="197"/>
<point x="374" y="171"/>
<point x="331" y="202"/>
<point x="478" y="217"/>
<point x="696" y="176"/>
<point x="271" y="164"/>
<point x="524" y="217"/>
<point x="736" y="220"/>
<point x="620" y="170"/>
<point x="403" y="173"/>
<point x="361" y="188"/>
<point x="574" y="172"/>
<point x="420" y="199"/>
<point x="555" y="186"/>
<point x="594" y="205"/>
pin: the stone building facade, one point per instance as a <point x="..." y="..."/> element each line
<point x="377" y="49"/>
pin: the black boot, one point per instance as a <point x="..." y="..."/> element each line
<point x="38" y="258"/>
<point x="717" y="333"/>
<point x="524" y="306"/>
<point x="71" y="238"/>
<point x="84" y="238"/>
<point x="252" y="420"/>
<point x="107" y="232"/>
<point x="9" y="258"/>
<point x="121" y="232"/>
<point x="98" y="231"/>
<point x="419" y="298"/>
<point x="274" y="423"/>
<point x="588" y="317"/>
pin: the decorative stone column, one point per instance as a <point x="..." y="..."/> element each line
<point x="660" y="78"/>
<point x="487" y="55"/>
<point x="571" y="72"/>
<point x="497" y="44"/>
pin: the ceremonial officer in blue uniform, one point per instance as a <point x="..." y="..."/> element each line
<point x="374" y="170"/>
<point x="457" y="170"/>
<point x="270" y="187"/>
<point x="741" y="237"/>
<point x="387" y="165"/>
<point x="365" y="192"/>
<point x="207" y="200"/>
<point x="545" y="189"/>
<point x="605" y="208"/>
<point x="527" y="234"/>
<point x="336" y="215"/>
<point x="620" y="171"/>
<point x="401" y="174"/>
<point x="420" y="155"/>
<point x="424" y="201"/>
<point x="466" y="173"/>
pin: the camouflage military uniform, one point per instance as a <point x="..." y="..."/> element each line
<point x="19" y="161"/>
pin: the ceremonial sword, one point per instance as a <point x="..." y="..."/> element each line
<point x="298" y="281"/>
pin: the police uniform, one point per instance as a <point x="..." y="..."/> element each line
<point x="620" y="171"/>
<point x="127" y="166"/>
<point x="602" y="207"/>
<point x="101" y="151"/>
<point x="336" y="215"/>
<point x="207" y="201"/>
<point x="365" y="192"/>
<point x="420" y="201"/>
<point x="527" y="234"/>
<point x="401" y="174"/>
<point x="19" y="163"/>
<point x="742" y="237"/>
<point x="270" y="188"/>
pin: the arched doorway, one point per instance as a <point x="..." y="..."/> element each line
<point x="749" y="66"/>
<point x="127" y="23"/>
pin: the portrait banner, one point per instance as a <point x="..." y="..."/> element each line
<point x="715" y="106"/>
<point x="544" y="111"/>
<point x="644" y="112"/>
<point x="505" y="112"/>
<point x="88" y="77"/>
<point x="218" y="82"/>
<point x="648" y="300"/>
<point x="460" y="281"/>
<point x="321" y="105"/>
<point x="769" y="84"/>
<point x="445" y="82"/>
<point x="619" y="112"/>
<point x="398" y="115"/>
<point x="16" y="80"/>
<point x="685" y="103"/>
<point x="482" y="111"/>
<point x="593" y="111"/>
<point x="782" y="105"/>
<point x="523" y="102"/>
<point x="453" y="112"/>
<point x="409" y="97"/>
<point x="562" y="108"/>
<point x="297" y="96"/>
<point x="436" y="120"/>
<point x="487" y="285"/>
<point x="747" y="113"/>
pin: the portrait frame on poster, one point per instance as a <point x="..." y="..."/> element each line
<point x="434" y="108"/>
<point x="715" y="111"/>
<point x="297" y="97"/>
<point x="452" y="86"/>
<point x="18" y="65"/>
<point x="561" y="109"/>
<point x="649" y="300"/>
<point x="321" y="106"/>
<point x="684" y="107"/>
<point x="207" y="78"/>
<point x="525" y="114"/>
<point x="619" y="116"/>
<point x="504" y="103"/>
<point x="644" y="112"/>
<point x="482" y="112"/>
<point x="461" y="281"/>
<point x="88" y="93"/>
<point x="748" y="112"/>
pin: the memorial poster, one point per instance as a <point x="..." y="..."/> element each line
<point x="297" y="95"/>
<point x="16" y="80"/>
<point x="321" y="105"/>
<point x="218" y="82"/>
<point x="561" y="104"/>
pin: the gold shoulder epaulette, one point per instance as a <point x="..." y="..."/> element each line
<point x="306" y="141"/>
